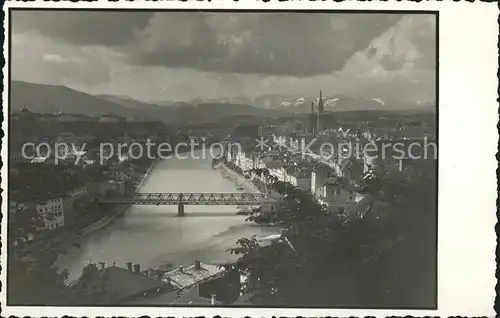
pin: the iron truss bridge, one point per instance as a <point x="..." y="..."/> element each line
<point x="190" y="199"/>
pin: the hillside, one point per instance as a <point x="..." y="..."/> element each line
<point x="129" y="102"/>
<point x="40" y="97"/>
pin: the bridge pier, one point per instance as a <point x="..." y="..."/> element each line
<point x="180" y="210"/>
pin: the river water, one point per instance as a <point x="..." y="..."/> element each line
<point x="152" y="235"/>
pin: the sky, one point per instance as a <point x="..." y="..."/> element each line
<point x="157" y="56"/>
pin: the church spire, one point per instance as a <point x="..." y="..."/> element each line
<point x="320" y="102"/>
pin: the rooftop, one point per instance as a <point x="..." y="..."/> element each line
<point x="126" y="283"/>
<point x="185" y="277"/>
<point x="189" y="296"/>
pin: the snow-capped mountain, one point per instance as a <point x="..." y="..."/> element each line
<point x="302" y="104"/>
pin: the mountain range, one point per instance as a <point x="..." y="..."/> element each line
<point x="41" y="97"/>
<point x="302" y="104"/>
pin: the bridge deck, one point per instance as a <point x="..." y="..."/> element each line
<point x="191" y="199"/>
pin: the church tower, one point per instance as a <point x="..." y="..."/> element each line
<point x="312" y="119"/>
<point x="320" y="107"/>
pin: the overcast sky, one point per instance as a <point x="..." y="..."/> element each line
<point x="179" y="56"/>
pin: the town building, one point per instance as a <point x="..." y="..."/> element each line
<point x="116" y="187"/>
<point x="336" y="196"/>
<point x="199" y="284"/>
<point x="119" y="172"/>
<point x="52" y="212"/>
<point x="319" y="176"/>
<point x="350" y="169"/>
<point x="304" y="180"/>
<point x="209" y="281"/>
<point x="244" y="161"/>
<point x="101" y="284"/>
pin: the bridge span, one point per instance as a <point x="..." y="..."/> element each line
<point x="182" y="199"/>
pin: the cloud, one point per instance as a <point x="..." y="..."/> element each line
<point x="57" y="59"/>
<point x="82" y="27"/>
<point x="411" y="43"/>
<point x="169" y="56"/>
<point x="42" y="60"/>
<point x="253" y="43"/>
<point x="268" y="44"/>
<point x="400" y="63"/>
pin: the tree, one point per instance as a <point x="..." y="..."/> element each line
<point x="334" y="262"/>
<point x="33" y="279"/>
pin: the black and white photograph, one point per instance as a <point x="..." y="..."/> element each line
<point x="218" y="158"/>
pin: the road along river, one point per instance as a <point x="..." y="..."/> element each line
<point x="152" y="236"/>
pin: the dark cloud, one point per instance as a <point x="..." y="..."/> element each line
<point x="283" y="44"/>
<point x="178" y="40"/>
<point x="279" y="43"/>
<point x="83" y="27"/>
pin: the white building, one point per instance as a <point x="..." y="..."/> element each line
<point x="336" y="196"/>
<point x="52" y="212"/>
<point x="244" y="161"/>
<point x="313" y="183"/>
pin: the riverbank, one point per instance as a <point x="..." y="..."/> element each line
<point x="238" y="179"/>
<point x="146" y="176"/>
<point x="116" y="211"/>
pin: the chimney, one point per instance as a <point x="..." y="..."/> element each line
<point x="137" y="268"/>
<point x="212" y="299"/>
<point x="129" y="266"/>
<point x="181" y="268"/>
<point x="102" y="265"/>
<point x="197" y="264"/>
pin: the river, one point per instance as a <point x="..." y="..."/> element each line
<point x="152" y="236"/>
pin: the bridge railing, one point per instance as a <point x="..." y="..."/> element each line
<point x="192" y="198"/>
